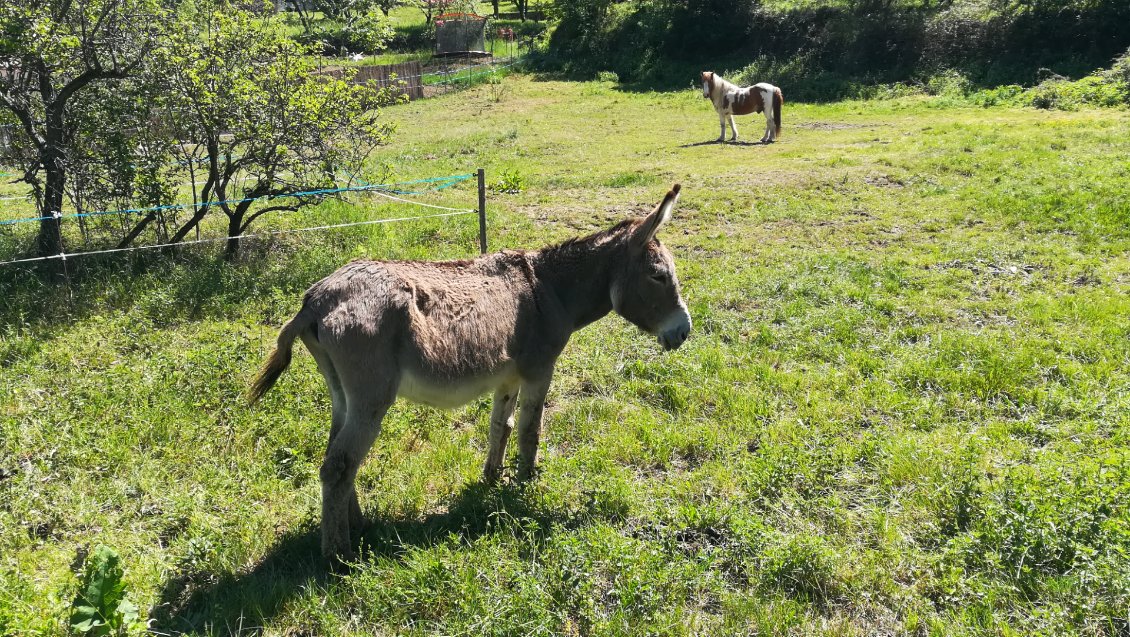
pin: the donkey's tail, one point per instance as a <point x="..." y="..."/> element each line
<point x="279" y="359"/>
<point x="778" y="102"/>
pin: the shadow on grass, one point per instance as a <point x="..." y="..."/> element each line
<point x="715" y="142"/>
<point x="201" y="601"/>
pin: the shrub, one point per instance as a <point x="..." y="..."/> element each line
<point x="824" y="50"/>
<point x="1120" y="70"/>
<point x="510" y="182"/>
<point x="949" y="83"/>
<point x="1093" y="90"/>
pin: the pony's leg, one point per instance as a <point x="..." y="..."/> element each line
<point x="767" y="99"/>
<point x="529" y="425"/>
<point x="501" y="424"/>
<point x="343" y="459"/>
<point x="722" y="123"/>
<point x="733" y="127"/>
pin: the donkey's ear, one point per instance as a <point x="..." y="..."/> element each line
<point x="661" y="215"/>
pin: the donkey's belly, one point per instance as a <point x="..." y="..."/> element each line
<point x="448" y="394"/>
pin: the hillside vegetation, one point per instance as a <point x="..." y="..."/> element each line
<point x="826" y="49"/>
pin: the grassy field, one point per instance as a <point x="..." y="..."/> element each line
<point x="903" y="409"/>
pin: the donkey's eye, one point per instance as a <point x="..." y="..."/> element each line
<point x="659" y="277"/>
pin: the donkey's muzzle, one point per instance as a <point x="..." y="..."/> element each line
<point x="673" y="341"/>
<point x="675" y="332"/>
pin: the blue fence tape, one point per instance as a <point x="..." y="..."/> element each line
<point x="444" y="182"/>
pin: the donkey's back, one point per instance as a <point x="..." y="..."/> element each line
<point x="442" y="333"/>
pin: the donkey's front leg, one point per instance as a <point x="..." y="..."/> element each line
<point x="501" y="424"/>
<point x="529" y="426"/>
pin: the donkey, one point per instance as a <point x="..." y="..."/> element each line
<point x="729" y="99"/>
<point x="443" y="333"/>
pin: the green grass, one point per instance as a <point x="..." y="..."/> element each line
<point x="903" y="408"/>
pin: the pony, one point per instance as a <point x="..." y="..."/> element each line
<point x="729" y="99"/>
<point x="443" y="333"/>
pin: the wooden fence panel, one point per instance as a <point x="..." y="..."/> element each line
<point x="406" y="78"/>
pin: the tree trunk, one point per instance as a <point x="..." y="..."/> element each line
<point x="137" y="229"/>
<point x="183" y="231"/>
<point x="235" y="223"/>
<point x="53" y="157"/>
<point x="50" y="240"/>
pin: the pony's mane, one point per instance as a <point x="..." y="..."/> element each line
<point x="717" y="80"/>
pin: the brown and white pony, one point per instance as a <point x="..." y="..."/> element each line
<point x="443" y="333"/>
<point x="729" y="99"/>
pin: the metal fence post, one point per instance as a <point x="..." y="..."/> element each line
<point x="482" y="212"/>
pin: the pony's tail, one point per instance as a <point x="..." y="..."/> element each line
<point x="778" y="102"/>
<point x="279" y="359"/>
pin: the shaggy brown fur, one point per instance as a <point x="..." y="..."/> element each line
<point x="444" y="333"/>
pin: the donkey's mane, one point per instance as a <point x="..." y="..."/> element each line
<point x="596" y="238"/>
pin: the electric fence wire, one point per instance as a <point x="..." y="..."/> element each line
<point x="383" y="190"/>
<point x="444" y="182"/>
<point x="63" y="256"/>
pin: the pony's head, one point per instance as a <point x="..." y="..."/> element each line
<point x="707" y="83"/>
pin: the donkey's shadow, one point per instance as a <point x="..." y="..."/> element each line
<point x="715" y="142"/>
<point x="203" y="601"/>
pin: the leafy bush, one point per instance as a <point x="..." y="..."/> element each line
<point x="1120" y="70"/>
<point x="1093" y="90"/>
<point x="510" y="182"/>
<point x="950" y="83"/>
<point x="367" y="34"/>
<point x="827" y="52"/>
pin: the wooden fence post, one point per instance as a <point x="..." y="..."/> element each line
<point x="482" y="212"/>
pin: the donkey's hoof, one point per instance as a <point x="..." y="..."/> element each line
<point x="491" y="475"/>
<point x="340" y="562"/>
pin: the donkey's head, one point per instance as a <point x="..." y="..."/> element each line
<point x="707" y="83"/>
<point x="644" y="287"/>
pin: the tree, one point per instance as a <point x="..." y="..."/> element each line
<point x="355" y="24"/>
<point x="246" y="102"/>
<point x="52" y="52"/>
<point x="432" y="8"/>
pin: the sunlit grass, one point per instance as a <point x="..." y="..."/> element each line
<point x="903" y="409"/>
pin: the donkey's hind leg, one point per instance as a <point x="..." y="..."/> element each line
<point x="501" y="424"/>
<point x="346" y="453"/>
<point x="722" y="123"/>
<point x="339" y="409"/>
<point x="733" y="127"/>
